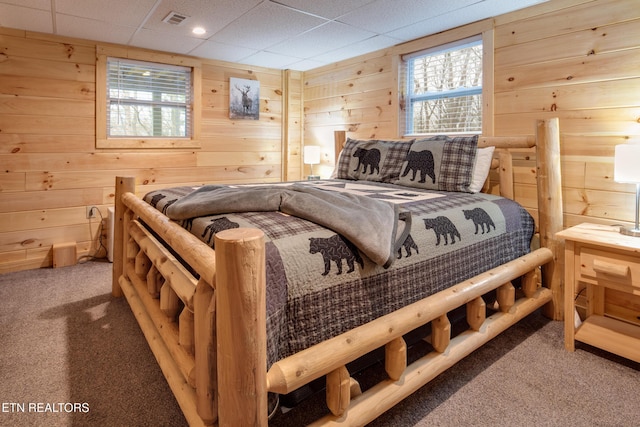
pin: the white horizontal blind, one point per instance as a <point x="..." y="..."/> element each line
<point x="147" y="99"/>
<point x="444" y="88"/>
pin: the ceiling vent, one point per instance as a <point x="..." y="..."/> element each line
<point x="175" y="18"/>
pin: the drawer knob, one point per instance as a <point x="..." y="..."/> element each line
<point x="609" y="268"/>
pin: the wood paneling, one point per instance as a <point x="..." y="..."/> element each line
<point x="51" y="169"/>
<point x="45" y="88"/>
<point x="578" y="60"/>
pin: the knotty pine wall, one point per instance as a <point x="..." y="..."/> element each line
<point x="51" y="170"/>
<point x="578" y="60"/>
<point x="573" y="59"/>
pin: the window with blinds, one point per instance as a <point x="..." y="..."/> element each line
<point x="147" y="99"/>
<point x="444" y="89"/>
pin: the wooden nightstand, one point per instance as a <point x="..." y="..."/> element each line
<point x="599" y="257"/>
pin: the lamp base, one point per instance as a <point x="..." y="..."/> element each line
<point x="313" y="177"/>
<point x="629" y="231"/>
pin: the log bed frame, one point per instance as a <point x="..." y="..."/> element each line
<point x="208" y="334"/>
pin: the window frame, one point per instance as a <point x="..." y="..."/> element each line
<point x="444" y="42"/>
<point x="103" y="140"/>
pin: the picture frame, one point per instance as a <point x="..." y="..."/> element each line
<point x="244" y="99"/>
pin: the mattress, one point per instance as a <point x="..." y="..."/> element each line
<point x="320" y="285"/>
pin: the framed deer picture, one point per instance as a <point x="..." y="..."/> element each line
<point x="244" y="99"/>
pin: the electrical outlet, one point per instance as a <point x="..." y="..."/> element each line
<point x="91" y="212"/>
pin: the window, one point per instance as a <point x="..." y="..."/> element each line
<point x="444" y="88"/>
<point x="148" y="100"/>
<point x="143" y="104"/>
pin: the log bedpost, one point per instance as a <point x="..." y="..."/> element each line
<point x="123" y="185"/>
<point x="241" y="327"/>
<point x="550" y="214"/>
<point x="506" y="174"/>
<point x="339" y="138"/>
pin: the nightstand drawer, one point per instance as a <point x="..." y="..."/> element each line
<point x="597" y="265"/>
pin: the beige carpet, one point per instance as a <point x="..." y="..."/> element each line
<point x="71" y="355"/>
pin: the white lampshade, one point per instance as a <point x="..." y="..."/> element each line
<point x="311" y="154"/>
<point x="627" y="163"/>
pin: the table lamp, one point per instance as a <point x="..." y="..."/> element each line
<point x="311" y="157"/>
<point x="627" y="170"/>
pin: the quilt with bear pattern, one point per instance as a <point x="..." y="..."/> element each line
<point x="319" y="284"/>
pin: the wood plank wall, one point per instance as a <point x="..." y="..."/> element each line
<point x="574" y="59"/>
<point x="578" y="60"/>
<point x="51" y="170"/>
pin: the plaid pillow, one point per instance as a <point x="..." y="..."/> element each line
<point x="372" y="160"/>
<point x="440" y="163"/>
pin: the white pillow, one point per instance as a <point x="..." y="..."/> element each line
<point x="481" y="168"/>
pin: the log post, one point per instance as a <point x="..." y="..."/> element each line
<point x="506" y="173"/>
<point x="476" y="313"/>
<point x="132" y="249"/>
<point x="506" y="297"/>
<point x="143" y="264"/>
<point x="354" y="389"/>
<point x="120" y="238"/>
<point x="185" y="330"/>
<point x="530" y="283"/>
<point x="206" y="375"/>
<point x="241" y="327"/>
<point x="550" y="212"/>
<point x="395" y="358"/>
<point x="170" y="304"/>
<point x="339" y="139"/>
<point x="440" y="333"/>
<point x="154" y="282"/>
<point x="338" y="390"/>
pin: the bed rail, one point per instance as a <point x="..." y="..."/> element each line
<point x="303" y="367"/>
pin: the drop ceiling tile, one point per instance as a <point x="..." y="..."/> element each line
<point x="499" y="7"/>
<point x="329" y="9"/>
<point x="268" y="59"/>
<point x="23" y="18"/>
<point x="90" y="29"/>
<point x="221" y="51"/>
<point x="153" y="40"/>
<point x="306" y="64"/>
<point x="455" y="18"/>
<point x="331" y="36"/>
<point x="358" y="48"/>
<point x="31" y="4"/>
<point x="266" y="25"/>
<point x="211" y="15"/>
<point x="388" y="15"/>
<point x="430" y="26"/>
<point x="125" y="13"/>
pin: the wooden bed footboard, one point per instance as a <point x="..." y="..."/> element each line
<point x="206" y="324"/>
<point x="196" y="327"/>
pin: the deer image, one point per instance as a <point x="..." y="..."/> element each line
<point x="246" y="101"/>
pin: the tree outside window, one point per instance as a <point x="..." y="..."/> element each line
<point x="444" y="87"/>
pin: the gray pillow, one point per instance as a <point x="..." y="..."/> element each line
<point x="372" y="160"/>
<point x="440" y="163"/>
